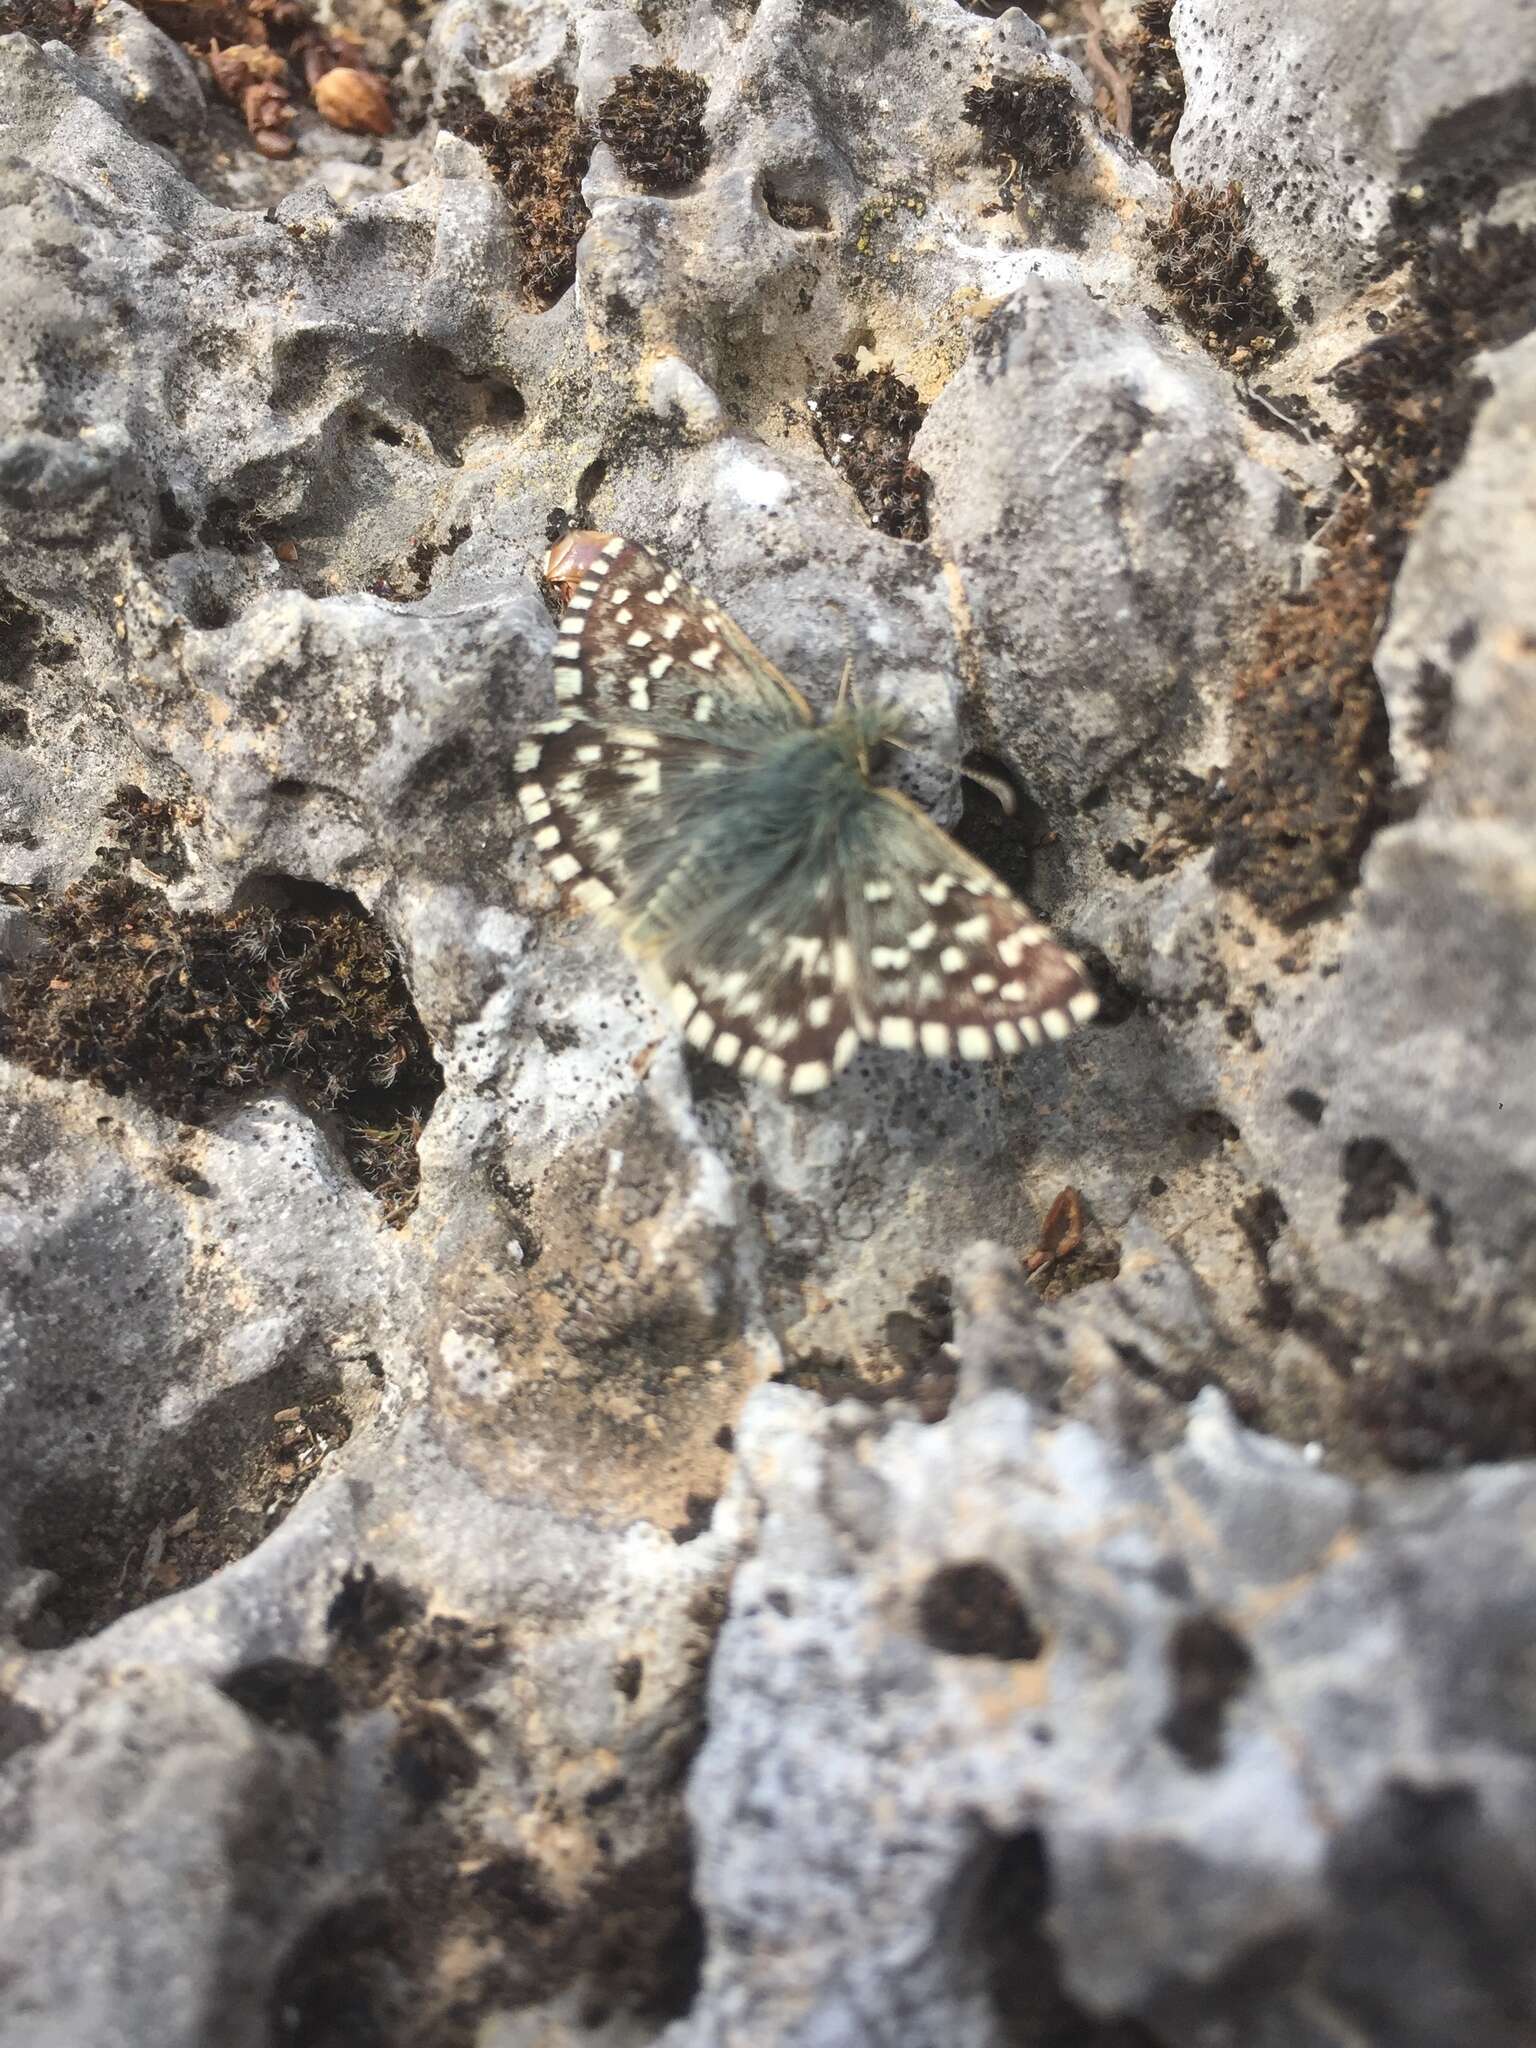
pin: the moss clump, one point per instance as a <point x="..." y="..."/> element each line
<point x="1156" y="82"/>
<point x="1029" y="127"/>
<point x="1218" y="282"/>
<point x="1311" y="777"/>
<point x="865" y="423"/>
<point x="187" y="1008"/>
<point x="538" y="150"/>
<point x="653" y="121"/>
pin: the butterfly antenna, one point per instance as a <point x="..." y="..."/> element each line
<point x="845" y="688"/>
<point x="995" y="785"/>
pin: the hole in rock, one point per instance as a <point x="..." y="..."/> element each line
<point x="120" y="1534"/>
<point x="1209" y="1664"/>
<point x="971" y="1610"/>
<point x="1019" y="1960"/>
<point x="795" y="210"/>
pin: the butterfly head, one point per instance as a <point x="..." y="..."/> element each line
<point x="864" y="734"/>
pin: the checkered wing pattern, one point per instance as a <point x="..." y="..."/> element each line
<point x="785" y="908"/>
<point x="638" y="643"/>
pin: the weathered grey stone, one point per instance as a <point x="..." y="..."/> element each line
<point x="1175" y="1746"/>
<point x="1328" y="116"/>
<point x="357" y="1583"/>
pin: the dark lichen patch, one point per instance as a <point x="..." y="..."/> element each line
<point x="914" y="1363"/>
<point x="412" y="578"/>
<point x="1030" y="128"/>
<point x="1309" y="781"/>
<point x="188" y="1008"/>
<point x="1020" y="1963"/>
<point x="1209" y="1665"/>
<point x="1218" y="283"/>
<point x="538" y="150"/>
<point x="432" y="1757"/>
<point x="653" y="121"/>
<point x="1374" y="1176"/>
<point x="1156" y="81"/>
<point x="1413" y="401"/>
<point x="294" y="1698"/>
<point x="865" y="423"/>
<point x="1444" y="1414"/>
<point x="971" y="1610"/>
<point x="47" y="21"/>
<point x="457" y="1925"/>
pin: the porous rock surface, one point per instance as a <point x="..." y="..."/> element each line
<point x="362" y="1585"/>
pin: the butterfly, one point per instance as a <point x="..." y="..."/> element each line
<point x="785" y="905"/>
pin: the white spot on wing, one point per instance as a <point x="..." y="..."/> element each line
<point x="1084" y="1004"/>
<point x="975" y="1042"/>
<point x="683" y="1000"/>
<point x="563" y="867"/>
<point x="809" y="1076"/>
<point x="1007" y="1036"/>
<point x="935" y="1039"/>
<point x="899" y="1033"/>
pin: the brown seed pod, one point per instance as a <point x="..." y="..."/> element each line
<point x="357" y="101"/>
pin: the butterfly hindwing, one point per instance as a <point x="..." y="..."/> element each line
<point x="954" y="962"/>
<point x="791" y="1018"/>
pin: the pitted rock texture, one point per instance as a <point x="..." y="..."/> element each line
<point x="1141" y="1762"/>
<point x="361" y="1563"/>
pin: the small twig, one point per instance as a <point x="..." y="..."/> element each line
<point x="1100" y="61"/>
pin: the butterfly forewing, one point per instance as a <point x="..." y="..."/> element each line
<point x="639" y="643"/>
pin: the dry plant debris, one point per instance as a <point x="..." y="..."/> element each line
<point x="1309" y="781"/>
<point x="653" y="121"/>
<point x="185" y="1008"/>
<point x="865" y="424"/>
<point x="47" y="21"/>
<point x="260" y="52"/>
<point x="1061" y="1234"/>
<point x="538" y="151"/>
